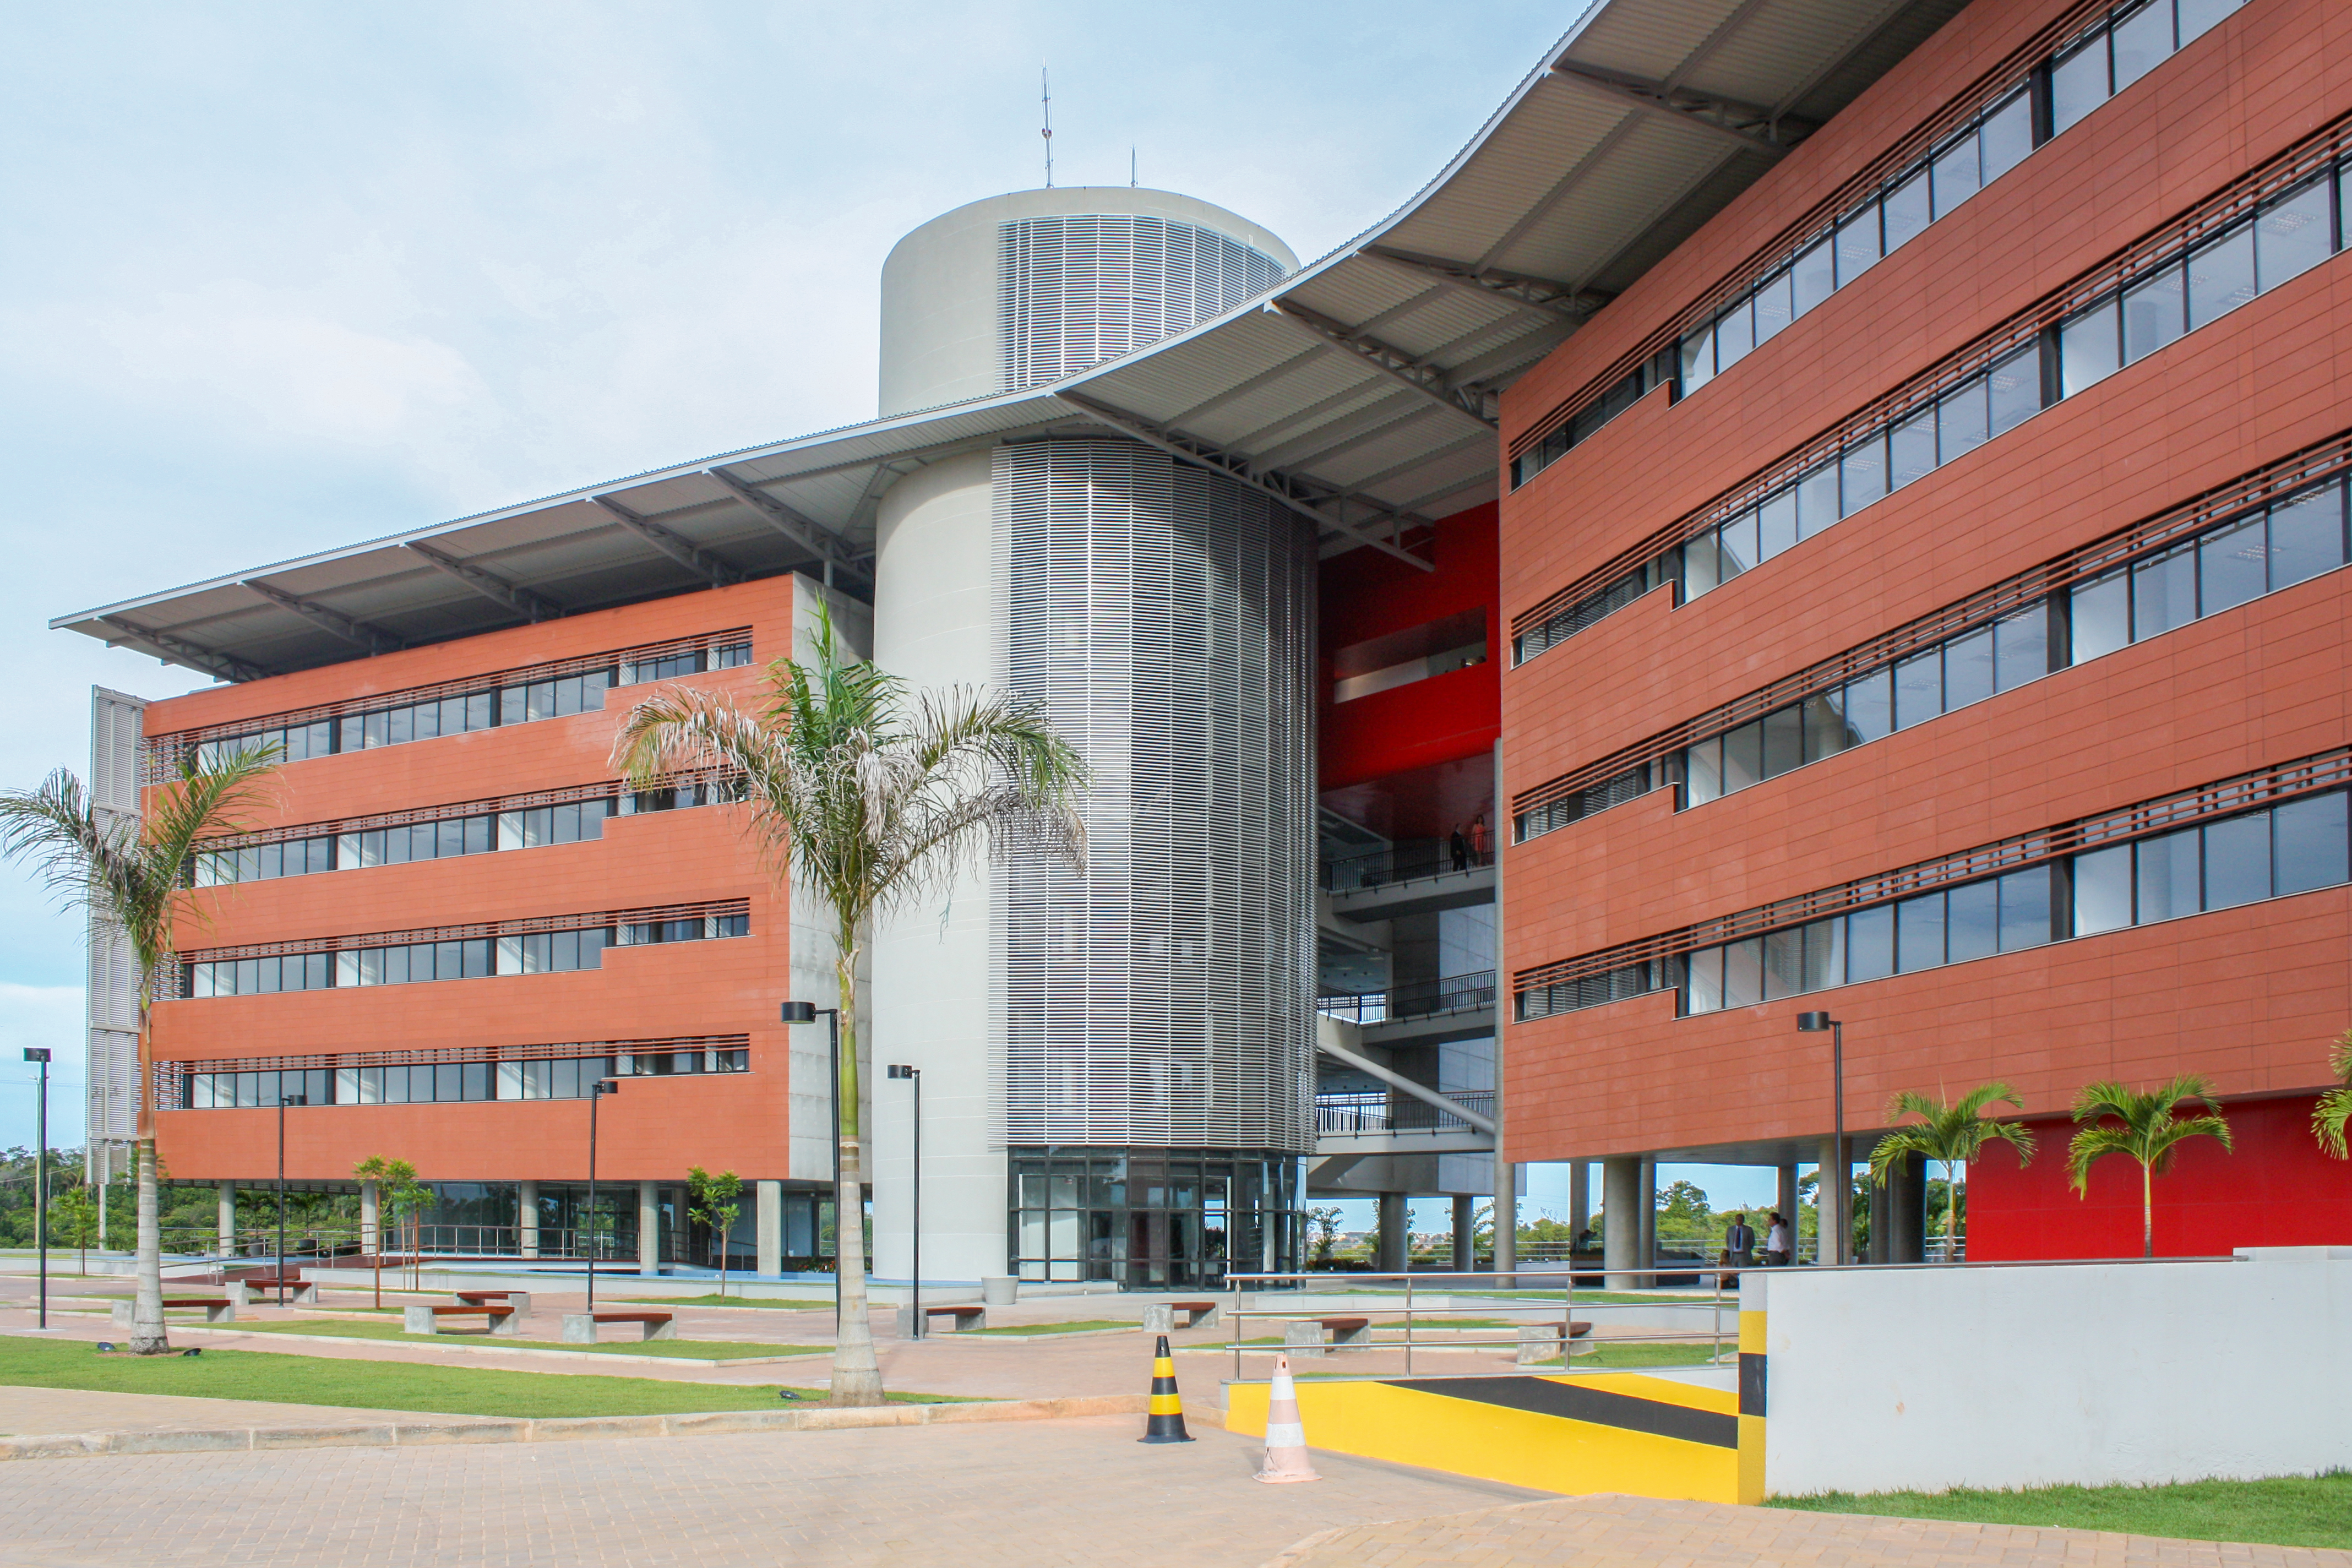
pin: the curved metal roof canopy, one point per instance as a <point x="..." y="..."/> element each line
<point x="1361" y="391"/>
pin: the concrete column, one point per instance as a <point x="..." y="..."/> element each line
<point x="527" y="1218"/>
<point x="1620" y="1206"/>
<point x="227" y="1218"/>
<point x="768" y="1216"/>
<point x="1882" y="1224"/>
<point x="368" y="1242"/>
<point x="1649" y="1255"/>
<point x="1827" y="1173"/>
<point x="1787" y="1205"/>
<point x="1579" y="1197"/>
<point x="1465" y="1232"/>
<point x="1906" y="1206"/>
<point x="648" y="1228"/>
<point x="1393" y="1253"/>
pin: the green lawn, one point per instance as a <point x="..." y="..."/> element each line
<point x="375" y="1384"/>
<point x="710" y="1350"/>
<point x="732" y="1301"/>
<point x="1629" y="1353"/>
<point x="1076" y="1326"/>
<point x="2287" y="1510"/>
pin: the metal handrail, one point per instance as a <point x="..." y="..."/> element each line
<point x="1384" y="1111"/>
<point x="1414" y="999"/>
<point x="1406" y="860"/>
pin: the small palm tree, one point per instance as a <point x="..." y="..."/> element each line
<point x="2334" y="1110"/>
<point x="872" y="799"/>
<point x="2152" y="1126"/>
<point x="1952" y="1132"/>
<point x="132" y="873"/>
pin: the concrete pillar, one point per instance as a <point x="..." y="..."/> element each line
<point x="1465" y="1232"/>
<point x="1882" y="1224"/>
<point x="1394" y="1253"/>
<point x="369" y="1211"/>
<point x="527" y="1220"/>
<point x="1649" y="1254"/>
<point x="1827" y="1190"/>
<point x="1907" y="1211"/>
<point x="1579" y="1197"/>
<point x="768" y="1217"/>
<point x="227" y="1218"/>
<point x="1620" y="1204"/>
<point x="1786" y="1204"/>
<point x="648" y="1228"/>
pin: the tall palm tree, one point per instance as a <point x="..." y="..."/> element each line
<point x="2330" y="1117"/>
<point x="2152" y="1126"/>
<point x="1952" y="1132"/>
<point x="132" y="873"/>
<point x="872" y="798"/>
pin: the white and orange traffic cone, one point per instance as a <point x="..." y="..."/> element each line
<point x="1286" y="1437"/>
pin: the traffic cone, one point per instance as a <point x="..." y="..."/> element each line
<point x="1166" y="1424"/>
<point x="1286" y="1437"/>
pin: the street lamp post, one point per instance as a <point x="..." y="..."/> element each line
<point x="808" y="1013"/>
<point x="899" y="1070"/>
<point x="603" y="1087"/>
<point x="1813" y="1023"/>
<point x="283" y="1101"/>
<point x="40" y="1056"/>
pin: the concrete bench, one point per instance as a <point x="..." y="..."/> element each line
<point x="501" y="1318"/>
<point x="580" y="1327"/>
<point x="964" y="1317"/>
<point x="518" y="1301"/>
<point x="217" y="1308"/>
<point x="1544" y="1341"/>
<point x="1310" y="1336"/>
<point x="261" y="1289"/>
<point x="1160" y="1317"/>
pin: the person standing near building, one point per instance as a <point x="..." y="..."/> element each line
<point x="1478" y="839"/>
<point x="1459" y="848"/>
<point x="1739" y="1243"/>
<point x="1778" y="1252"/>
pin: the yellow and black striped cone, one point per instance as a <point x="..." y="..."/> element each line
<point x="1165" y="1422"/>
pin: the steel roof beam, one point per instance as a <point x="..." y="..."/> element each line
<point x="1722" y="117"/>
<point x="1263" y="378"/>
<point x="802" y="529"/>
<point x="358" y="633"/>
<point x="1541" y="297"/>
<point x="1561" y="189"/>
<point x="676" y="546"/>
<point x="1431" y="381"/>
<point x="496" y="589"/>
<point x="171" y="650"/>
<point x="1349" y="443"/>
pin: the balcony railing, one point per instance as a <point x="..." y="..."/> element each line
<point x="1417" y="999"/>
<point x="1403" y="861"/>
<point x="1378" y="1113"/>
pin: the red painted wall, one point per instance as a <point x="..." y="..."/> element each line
<point x="1366" y="594"/>
<point x="2276" y="1190"/>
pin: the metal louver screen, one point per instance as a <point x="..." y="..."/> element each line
<point x="111" y="1108"/>
<point x="1074" y="291"/>
<point x="1165" y="618"/>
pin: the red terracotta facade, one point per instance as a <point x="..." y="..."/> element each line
<point x="2251" y="996"/>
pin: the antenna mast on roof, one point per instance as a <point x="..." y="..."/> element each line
<point x="1130" y="167"/>
<point x="1045" y="93"/>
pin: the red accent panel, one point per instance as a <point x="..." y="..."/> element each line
<point x="1366" y="594"/>
<point x="2276" y="1190"/>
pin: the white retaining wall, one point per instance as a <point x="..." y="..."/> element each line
<point x="2023" y="1376"/>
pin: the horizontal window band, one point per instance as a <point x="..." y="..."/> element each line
<point x="2218" y="506"/>
<point x="2308" y="776"/>
<point x="2014" y="71"/>
<point x="421" y="1058"/>
<point x="717" y="909"/>
<point x="608" y="789"/>
<point x="170" y="744"/>
<point x="2165" y="243"/>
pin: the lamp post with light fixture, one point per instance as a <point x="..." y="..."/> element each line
<point x="39" y="1055"/>
<point x="596" y="1093"/>
<point x="809" y="1013"/>
<point x="1814" y="1024"/>
<point x="899" y="1070"/>
<point x="283" y="1101"/>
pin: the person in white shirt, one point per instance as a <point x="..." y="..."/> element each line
<point x="1778" y="1249"/>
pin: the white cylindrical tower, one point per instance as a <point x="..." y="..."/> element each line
<point x="1117" y="1064"/>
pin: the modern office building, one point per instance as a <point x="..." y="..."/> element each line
<point x="1820" y="505"/>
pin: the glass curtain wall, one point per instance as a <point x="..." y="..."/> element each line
<point x="1152" y="1219"/>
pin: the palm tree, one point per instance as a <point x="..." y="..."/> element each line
<point x="132" y="873"/>
<point x="873" y="799"/>
<point x="2335" y="1108"/>
<point x="2152" y="1127"/>
<point x="1952" y="1132"/>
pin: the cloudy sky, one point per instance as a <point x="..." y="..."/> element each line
<point x="277" y="277"/>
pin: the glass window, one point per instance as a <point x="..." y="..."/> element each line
<point x="1907" y="207"/>
<point x="1775" y="307"/>
<point x="1743" y="973"/>
<point x="2198" y="16"/>
<point x="1862" y="472"/>
<point x="2155" y="311"/>
<point x="2231" y="568"/>
<point x="1857" y="244"/>
<point x="2102" y="890"/>
<point x="1961" y="425"/>
<point x="1698" y="362"/>
<point x="2143" y="42"/>
<point x="1784" y="963"/>
<point x="2306" y="535"/>
<point x="1735" y="334"/>
<point x="1699" y="564"/>
<point x="2164" y="593"/>
<point x="2238" y="860"/>
<point x="1704" y="771"/>
<point x="1919" y="933"/>
<point x="2166" y="879"/>
<point x="1817" y="500"/>
<point x="1870" y="944"/>
<point x="1912" y="448"/>
<point x="1968" y="670"/>
<point x="1972" y="920"/>
<point x="1784" y="746"/>
<point x="1824" y="955"/>
<point x="2293" y="236"/>
<point x="2025" y="909"/>
<point x="1825" y="728"/>
<point x="2007" y="135"/>
<point x="1958" y="177"/>
<point x="1743" y="757"/>
<point x="2220" y="277"/>
<point x="2078" y="82"/>
<point x="1919" y="689"/>
<point x="1814" y="277"/>
<point x="2089" y="349"/>
<point x="2099" y="612"/>
<point x="2013" y="389"/>
<point x="2307" y="844"/>
<point x="1739" y="534"/>
<point x="2021" y="648"/>
<point x="1869" y="706"/>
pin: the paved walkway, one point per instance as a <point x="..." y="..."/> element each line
<point x="44" y="1412"/>
<point x="1621" y="1531"/>
<point x="1035" y="1494"/>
